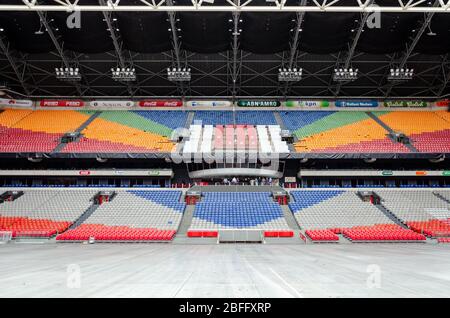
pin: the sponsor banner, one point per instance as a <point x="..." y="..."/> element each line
<point x="61" y="103"/>
<point x="290" y="179"/>
<point x="413" y="103"/>
<point x="160" y="103"/>
<point x="356" y="103"/>
<point x="209" y="103"/>
<point x="405" y="103"/>
<point x="443" y="103"/>
<point x="15" y="102"/>
<point x="387" y="173"/>
<point x="421" y="173"/>
<point x="259" y="103"/>
<point x="291" y="103"/>
<point x="111" y="103"/>
<point x="446" y="173"/>
<point x="84" y="173"/>
<point x="307" y="103"/>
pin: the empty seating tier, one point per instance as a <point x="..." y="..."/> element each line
<point x="150" y="131"/>
<point x="338" y="211"/>
<point x="322" y="235"/>
<point x="431" y="136"/>
<point x="421" y="210"/>
<point x="382" y="232"/>
<point x="43" y="212"/>
<point x="123" y="131"/>
<point x="214" y="117"/>
<point x="433" y="228"/>
<point x="132" y="215"/>
<point x="101" y="232"/>
<point x="36" y="131"/>
<point x="255" y="118"/>
<point x="340" y="132"/>
<point x="238" y="210"/>
<point x="334" y="209"/>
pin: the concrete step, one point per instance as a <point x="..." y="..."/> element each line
<point x="279" y="120"/>
<point x="390" y="215"/>
<point x="189" y="119"/>
<point x="289" y="217"/>
<point x="441" y="197"/>
<point x="84" y="216"/>
<point x="79" y="129"/>
<point x="185" y="223"/>
<point x="390" y="130"/>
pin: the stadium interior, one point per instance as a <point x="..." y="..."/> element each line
<point x="222" y="132"/>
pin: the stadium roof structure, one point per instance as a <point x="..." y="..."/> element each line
<point x="233" y="48"/>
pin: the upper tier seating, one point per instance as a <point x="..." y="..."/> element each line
<point x="433" y="133"/>
<point x="9" y="117"/>
<point x="238" y="210"/>
<point x="123" y="131"/>
<point x="294" y="120"/>
<point x="132" y="215"/>
<point x="255" y="118"/>
<point x="36" y="131"/>
<point x="239" y="118"/>
<point x="344" y="212"/>
<point x="208" y="117"/>
<point x="43" y="212"/>
<point x="420" y="209"/>
<point x="149" y="131"/>
<point x="345" y="131"/>
<point x="167" y="118"/>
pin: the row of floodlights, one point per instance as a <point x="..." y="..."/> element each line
<point x="184" y="74"/>
<point x="345" y="74"/>
<point x="68" y="73"/>
<point x="179" y="74"/>
<point x="290" y="74"/>
<point x="400" y="74"/>
<point x="123" y="74"/>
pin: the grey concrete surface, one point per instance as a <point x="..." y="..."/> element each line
<point x="227" y="270"/>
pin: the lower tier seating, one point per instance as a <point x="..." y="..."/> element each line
<point x="326" y="213"/>
<point x="102" y="232"/>
<point x="422" y="210"/>
<point x="327" y="209"/>
<point x="238" y="210"/>
<point x="25" y="227"/>
<point x="322" y="235"/>
<point x="434" y="228"/>
<point x="141" y="215"/>
<point x="382" y="232"/>
<point x="43" y="213"/>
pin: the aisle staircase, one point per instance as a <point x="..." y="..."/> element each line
<point x="83" y="217"/>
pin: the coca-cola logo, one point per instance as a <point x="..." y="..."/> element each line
<point x="160" y="103"/>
